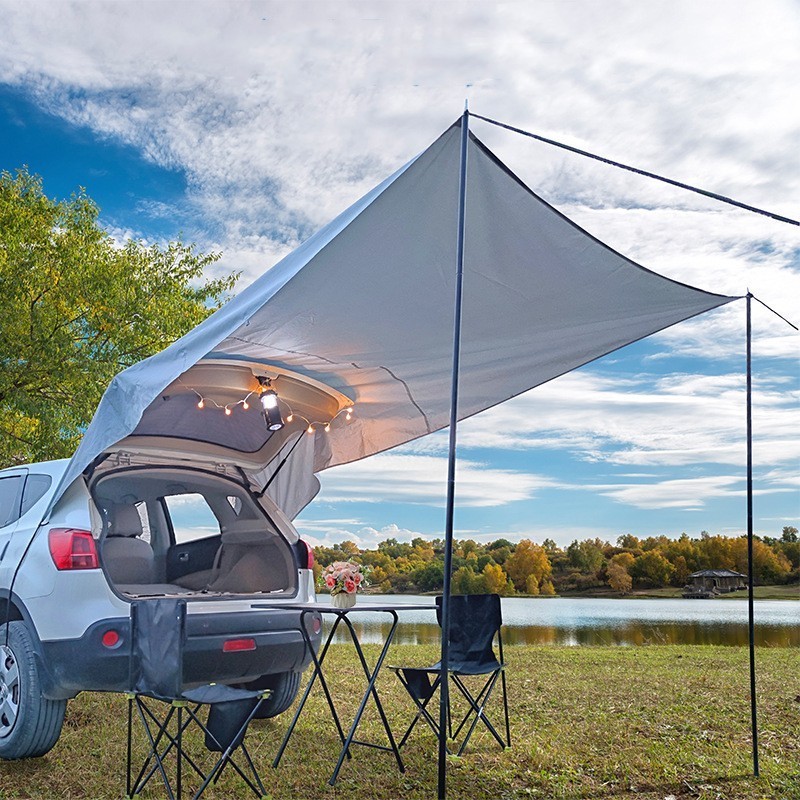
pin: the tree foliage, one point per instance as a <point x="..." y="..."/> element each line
<point x="76" y="308"/>
<point x="533" y="569"/>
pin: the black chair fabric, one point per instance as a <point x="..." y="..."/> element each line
<point x="156" y="672"/>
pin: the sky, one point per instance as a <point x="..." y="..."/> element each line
<point x="246" y="126"/>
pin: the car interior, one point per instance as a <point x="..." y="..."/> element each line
<point x="184" y="531"/>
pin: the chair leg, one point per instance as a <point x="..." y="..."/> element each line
<point x="479" y="699"/>
<point x="154" y="754"/>
<point x="505" y="706"/>
<point x="226" y="757"/>
<point x="422" y="709"/>
<point x="478" y="710"/>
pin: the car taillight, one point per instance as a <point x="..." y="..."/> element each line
<point x="72" y="549"/>
<point x="305" y="548"/>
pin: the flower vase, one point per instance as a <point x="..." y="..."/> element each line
<point x="343" y="600"/>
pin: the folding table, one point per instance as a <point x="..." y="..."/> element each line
<point x="342" y="615"/>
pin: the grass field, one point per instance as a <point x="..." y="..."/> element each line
<point x="645" y="723"/>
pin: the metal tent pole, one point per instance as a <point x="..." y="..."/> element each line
<point x="750" y="617"/>
<point x="444" y="695"/>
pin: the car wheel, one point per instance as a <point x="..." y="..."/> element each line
<point x="30" y="724"/>
<point x="284" y="686"/>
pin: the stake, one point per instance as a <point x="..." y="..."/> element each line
<point x="444" y="695"/>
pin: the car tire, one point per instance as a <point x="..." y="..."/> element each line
<point x="30" y="724"/>
<point x="284" y="686"/>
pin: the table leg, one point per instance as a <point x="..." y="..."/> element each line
<point x="317" y="673"/>
<point x="372" y="677"/>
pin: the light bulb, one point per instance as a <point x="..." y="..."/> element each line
<point x="349" y="414"/>
<point x="290" y="418"/>
<point x="328" y="428"/>
<point x="201" y="404"/>
<point x="227" y="411"/>
<point x="310" y="429"/>
<point x="245" y="405"/>
<point x="269" y="399"/>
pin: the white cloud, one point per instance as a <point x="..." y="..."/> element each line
<point x="282" y="114"/>
<point x="422" y="480"/>
<point x="315" y="532"/>
<point x="642" y="420"/>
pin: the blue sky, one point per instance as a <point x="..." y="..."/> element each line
<point x="244" y="127"/>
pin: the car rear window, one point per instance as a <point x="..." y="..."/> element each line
<point x="9" y="499"/>
<point x="35" y="488"/>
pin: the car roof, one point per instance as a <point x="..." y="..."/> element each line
<point x="54" y="468"/>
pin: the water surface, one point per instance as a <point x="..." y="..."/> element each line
<point x="605" y="621"/>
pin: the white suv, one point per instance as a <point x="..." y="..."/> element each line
<point x="134" y="527"/>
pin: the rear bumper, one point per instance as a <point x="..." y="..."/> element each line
<point x="70" y="666"/>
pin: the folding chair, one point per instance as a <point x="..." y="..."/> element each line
<point x="166" y="711"/>
<point x="475" y="620"/>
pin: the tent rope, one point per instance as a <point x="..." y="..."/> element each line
<point x="704" y="192"/>
<point x="790" y="324"/>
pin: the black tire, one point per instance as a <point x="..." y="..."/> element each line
<point x="29" y="723"/>
<point x="284" y="686"/>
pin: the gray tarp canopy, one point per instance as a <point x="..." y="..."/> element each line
<point x="365" y="306"/>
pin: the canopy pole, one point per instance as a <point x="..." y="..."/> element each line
<point x="444" y="693"/>
<point x="750" y="616"/>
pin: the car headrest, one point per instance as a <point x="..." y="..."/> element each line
<point x="126" y="522"/>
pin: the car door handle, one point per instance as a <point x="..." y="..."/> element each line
<point x="183" y="558"/>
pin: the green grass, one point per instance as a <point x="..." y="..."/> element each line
<point x="641" y="723"/>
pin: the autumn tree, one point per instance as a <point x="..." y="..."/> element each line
<point x="619" y="578"/>
<point x="76" y="307"/>
<point x="652" y="568"/>
<point x="528" y="560"/>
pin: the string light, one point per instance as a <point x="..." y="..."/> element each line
<point x="271" y="407"/>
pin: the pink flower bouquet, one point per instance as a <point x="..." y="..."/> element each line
<point x="343" y="576"/>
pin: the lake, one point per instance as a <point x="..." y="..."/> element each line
<point x="604" y="621"/>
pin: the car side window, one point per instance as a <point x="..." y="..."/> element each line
<point x="9" y="499"/>
<point x="35" y="488"/>
<point x="191" y="517"/>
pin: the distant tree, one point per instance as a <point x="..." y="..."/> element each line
<point x="789" y="534"/>
<point x="76" y="308"/>
<point x="628" y="542"/>
<point x="465" y="581"/>
<point x="495" y="580"/>
<point x="618" y="578"/>
<point x="547" y="588"/>
<point x="681" y="575"/>
<point x="587" y="556"/>
<point x="528" y="559"/>
<point x="715" y="552"/>
<point x="768" y="566"/>
<point x="430" y="578"/>
<point x="652" y="568"/>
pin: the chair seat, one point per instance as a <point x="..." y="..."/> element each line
<point x="459" y="668"/>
